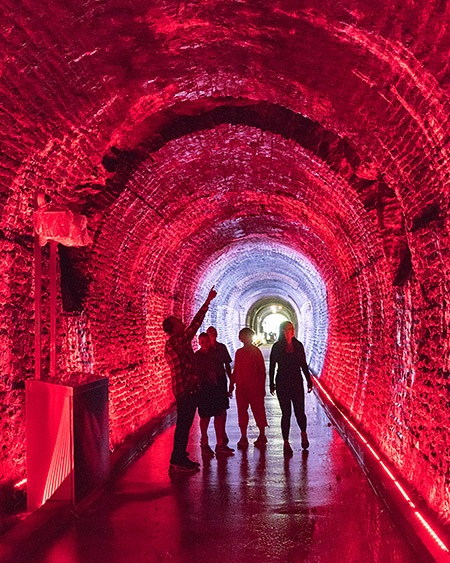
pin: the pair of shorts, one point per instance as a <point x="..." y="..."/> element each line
<point x="248" y="398"/>
<point x="212" y="401"/>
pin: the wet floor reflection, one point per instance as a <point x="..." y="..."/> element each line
<point x="253" y="506"/>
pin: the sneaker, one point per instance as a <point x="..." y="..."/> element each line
<point x="305" y="441"/>
<point x="224" y="450"/>
<point x="186" y="466"/>
<point x="243" y="443"/>
<point x="191" y="460"/>
<point x="260" y="442"/>
<point x="207" y="451"/>
<point x="287" y="450"/>
<point x="191" y="464"/>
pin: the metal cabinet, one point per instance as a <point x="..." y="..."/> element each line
<point x="67" y="435"/>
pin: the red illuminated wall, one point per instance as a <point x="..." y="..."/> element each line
<point x="183" y="129"/>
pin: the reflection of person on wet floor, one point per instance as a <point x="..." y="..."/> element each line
<point x="223" y="360"/>
<point x="289" y="354"/>
<point x="249" y="376"/>
<point x="180" y="357"/>
<point x="212" y="398"/>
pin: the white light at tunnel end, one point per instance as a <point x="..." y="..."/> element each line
<point x="250" y="270"/>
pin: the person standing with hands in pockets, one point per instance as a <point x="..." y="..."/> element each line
<point x="288" y="354"/>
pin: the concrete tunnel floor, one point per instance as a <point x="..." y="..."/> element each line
<point x="254" y="506"/>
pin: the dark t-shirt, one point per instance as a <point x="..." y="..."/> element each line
<point x="290" y="364"/>
<point x="222" y="357"/>
<point x="206" y="366"/>
<point x="213" y="397"/>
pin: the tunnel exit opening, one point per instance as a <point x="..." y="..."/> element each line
<point x="271" y="324"/>
<point x="266" y="315"/>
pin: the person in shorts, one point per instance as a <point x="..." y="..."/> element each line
<point x="224" y="361"/>
<point x="212" y="398"/>
<point x="249" y="377"/>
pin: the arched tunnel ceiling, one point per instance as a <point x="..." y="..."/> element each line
<point x="251" y="183"/>
<point x="185" y="129"/>
<point x="170" y="60"/>
<point x="185" y="204"/>
<point x="179" y="129"/>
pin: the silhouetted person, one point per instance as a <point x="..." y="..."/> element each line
<point x="249" y="376"/>
<point x="223" y="360"/>
<point x="180" y="357"/>
<point x="289" y="354"/>
<point x="212" y="398"/>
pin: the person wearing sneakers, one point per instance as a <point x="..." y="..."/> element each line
<point x="223" y="360"/>
<point x="249" y="377"/>
<point x="212" y="400"/>
<point x="180" y="357"/>
<point x="289" y="354"/>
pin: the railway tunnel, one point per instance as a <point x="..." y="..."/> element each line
<point x="293" y="155"/>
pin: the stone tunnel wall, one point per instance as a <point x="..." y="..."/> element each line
<point x="184" y="128"/>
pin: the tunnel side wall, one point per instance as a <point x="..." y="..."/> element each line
<point x="350" y="167"/>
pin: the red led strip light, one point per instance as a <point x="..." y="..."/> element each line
<point x="417" y="514"/>
<point x="20" y="484"/>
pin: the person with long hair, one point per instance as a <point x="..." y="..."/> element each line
<point x="288" y="355"/>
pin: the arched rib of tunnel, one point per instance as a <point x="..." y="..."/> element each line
<point x="162" y="236"/>
<point x="201" y="132"/>
<point x="250" y="271"/>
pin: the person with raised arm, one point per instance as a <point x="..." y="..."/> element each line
<point x="180" y="357"/>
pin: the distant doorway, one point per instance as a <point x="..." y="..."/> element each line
<point x="265" y="317"/>
<point x="271" y="325"/>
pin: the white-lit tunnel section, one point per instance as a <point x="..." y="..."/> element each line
<point x="246" y="273"/>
